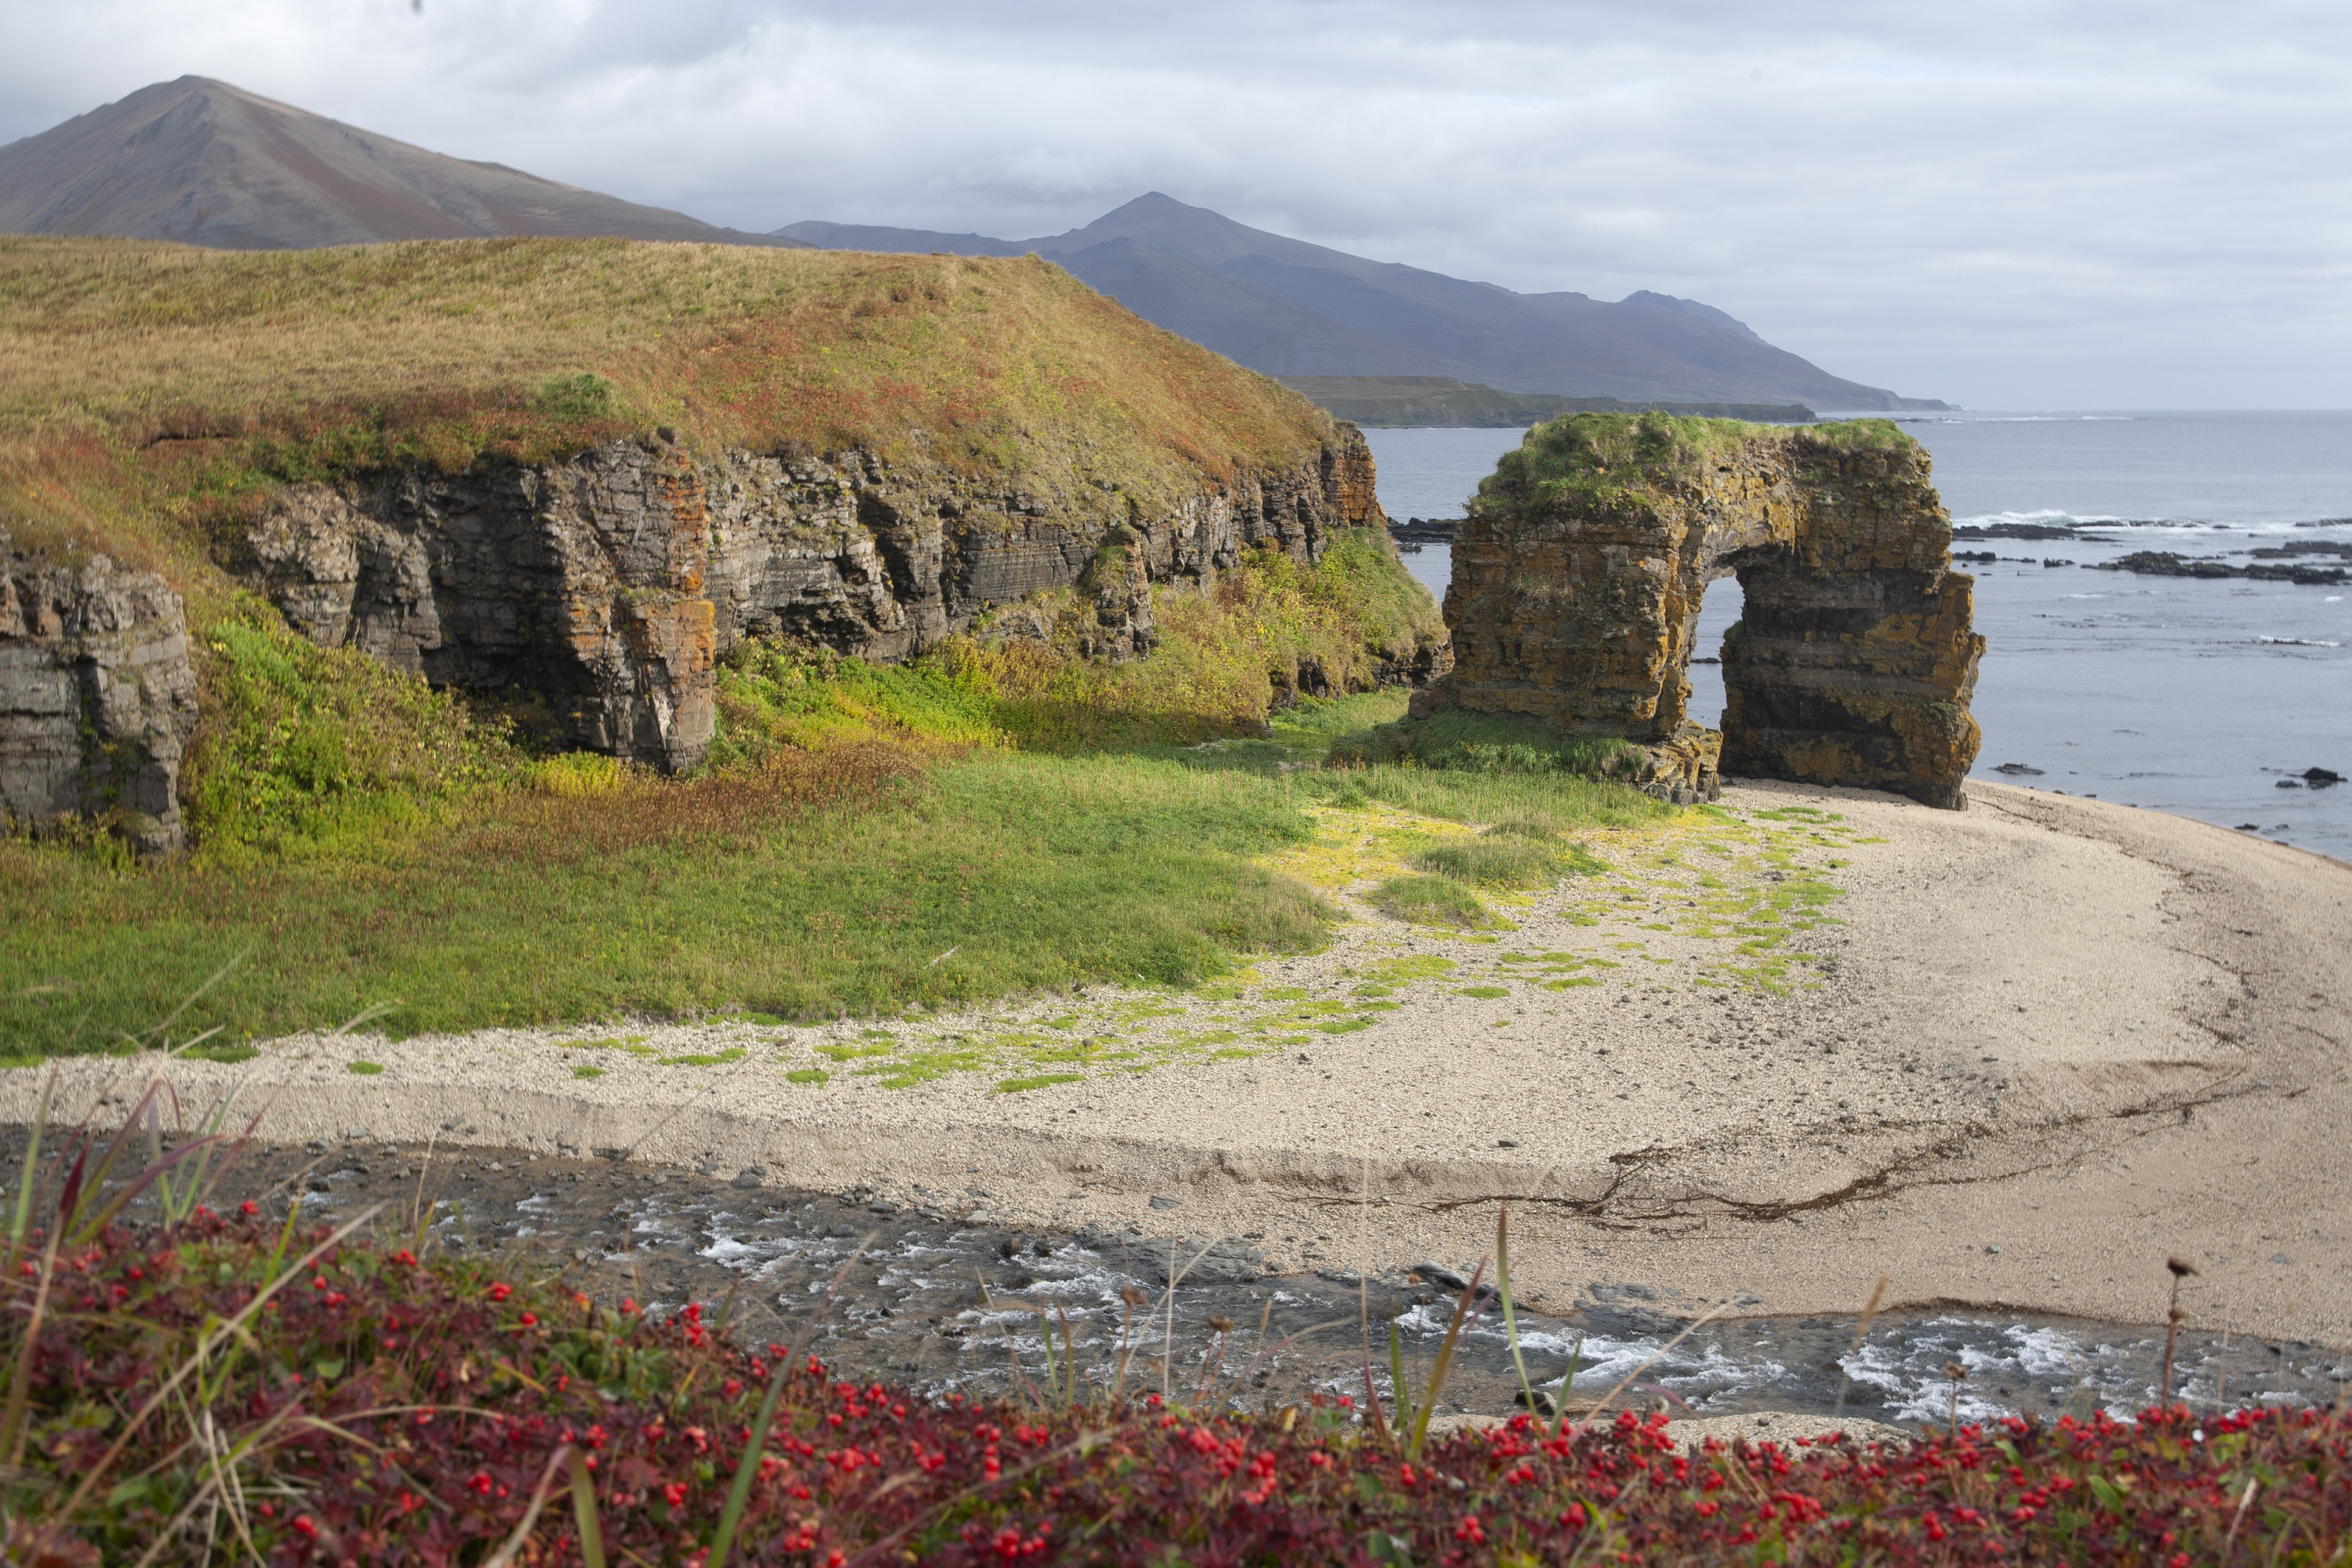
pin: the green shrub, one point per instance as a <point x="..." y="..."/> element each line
<point x="1430" y="900"/>
<point x="585" y="396"/>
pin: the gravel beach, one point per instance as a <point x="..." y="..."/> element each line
<point x="2008" y="1058"/>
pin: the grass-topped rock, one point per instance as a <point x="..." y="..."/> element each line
<point x="1579" y="572"/>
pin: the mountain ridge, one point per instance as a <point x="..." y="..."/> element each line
<point x="1289" y="307"/>
<point x="205" y="163"/>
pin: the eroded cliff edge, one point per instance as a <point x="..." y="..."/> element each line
<point x="609" y="583"/>
<point x="574" y="474"/>
<point x="97" y="698"/>
<point x="1579" y="571"/>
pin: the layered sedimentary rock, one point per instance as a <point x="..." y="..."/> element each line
<point x="97" y="699"/>
<point x="610" y="583"/>
<point x="1579" y="571"/>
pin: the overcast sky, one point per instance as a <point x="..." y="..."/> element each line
<point x="2136" y="204"/>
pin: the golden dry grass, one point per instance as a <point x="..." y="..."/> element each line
<point x="139" y="379"/>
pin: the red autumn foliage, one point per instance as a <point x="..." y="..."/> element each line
<point x="403" y="1412"/>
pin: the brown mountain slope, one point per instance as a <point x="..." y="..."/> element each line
<point x="205" y="162"/>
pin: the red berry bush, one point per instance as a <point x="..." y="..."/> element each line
<point x="379" y="1409"/>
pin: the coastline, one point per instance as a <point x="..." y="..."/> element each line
<point x="2166" y="1002"/>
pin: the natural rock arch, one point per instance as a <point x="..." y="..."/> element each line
<point x="1579" y="571"/>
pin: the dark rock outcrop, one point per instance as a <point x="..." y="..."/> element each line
<point x="97" y="699"/>
<point x="611" y="583"/>
<point x="2167" y="563"/>
<point x="1577" y="580"/>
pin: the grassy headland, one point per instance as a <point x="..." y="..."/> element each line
<point x="994" y="818"/>
<point x="147" y="389"/>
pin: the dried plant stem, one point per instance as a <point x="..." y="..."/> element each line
<point x="2174" y="1318"/>
<point x="1655" y="1356"/>
<point x="196" y="1357"/>
<point x="1869" y="1311"/>
<point x="505" y="1556"/>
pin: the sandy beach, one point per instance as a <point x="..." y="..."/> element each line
<point x="2012" y="1056"/>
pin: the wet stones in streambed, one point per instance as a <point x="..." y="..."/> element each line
<point x="945" y="1306"/>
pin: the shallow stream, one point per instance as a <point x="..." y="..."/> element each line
<point x="943" y="1303"/>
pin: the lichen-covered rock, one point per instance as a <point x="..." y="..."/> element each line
<point x="612" y="582"/>
<point x="97" y="699"/>
<point x="1579" y="571"/>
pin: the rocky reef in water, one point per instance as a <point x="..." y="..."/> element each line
<point x="1579" y="571"/>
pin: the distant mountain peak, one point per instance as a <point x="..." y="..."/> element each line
<point x="206" y="162"/>
<point x="1287" y="307"/>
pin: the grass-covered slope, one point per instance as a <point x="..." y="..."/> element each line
<point x="997" y="817"/>
<point x="866" y="839"/>
<point x="144" y="388"/>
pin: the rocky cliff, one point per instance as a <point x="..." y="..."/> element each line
<point x="97" y="699"/>
<point x="611" y="583"/>
<point x="1579" y="571"/>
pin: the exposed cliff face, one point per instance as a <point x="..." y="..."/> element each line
<point x="97" y="699"/>
<point x="612" y="581"/>
<point x="1578" y="575"/>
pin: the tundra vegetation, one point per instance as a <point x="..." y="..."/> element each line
<point x="364" y="842"/>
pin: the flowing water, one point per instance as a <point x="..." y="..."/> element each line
<point x="946" y="1303"/>
<point x="2206" y="698"/>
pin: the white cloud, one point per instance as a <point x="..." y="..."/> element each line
<point x="2005" y="203"/>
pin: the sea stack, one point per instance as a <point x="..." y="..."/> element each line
<point x="1579" y="571"/>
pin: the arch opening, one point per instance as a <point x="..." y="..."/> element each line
<point x="1582" y="581"/>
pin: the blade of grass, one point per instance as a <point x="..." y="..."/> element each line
<point x="139" y="1041"/>
<point x="1559" y="1414"/>
<point x="1400" y="1389"/>
<point x="22" y="1216"/>
<point x="1363" y="1319"/>
<point x="12" y="1424"/>
<point x="739" y="1495"/>
<point x="1502" y="1283"/>
<point x="1693" y="1327"/>
<point x="1465" y="1313"/>
<point x="1069" y="1354"/>
<point x="1869" y="1311"/>
<point x="583" y="1507"/>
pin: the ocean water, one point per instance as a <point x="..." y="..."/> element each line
<point x="2206" y="698"/>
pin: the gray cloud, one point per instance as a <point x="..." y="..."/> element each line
<point x="2007" y="204"/>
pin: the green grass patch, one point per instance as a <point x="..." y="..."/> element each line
<point x="1459" y="741"/>
<point x="807" y="1075"/>
<point x="366" y="1069"/>
<point x="301" y="749"/>
<point x="676" y="898"/>
<point x="1430" y="900"/>
<point x="1491" y="862"/>
<point x="581" y="1069"/>
<point x="1484" y="993"/>
<point x="1043" y="1080"/>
